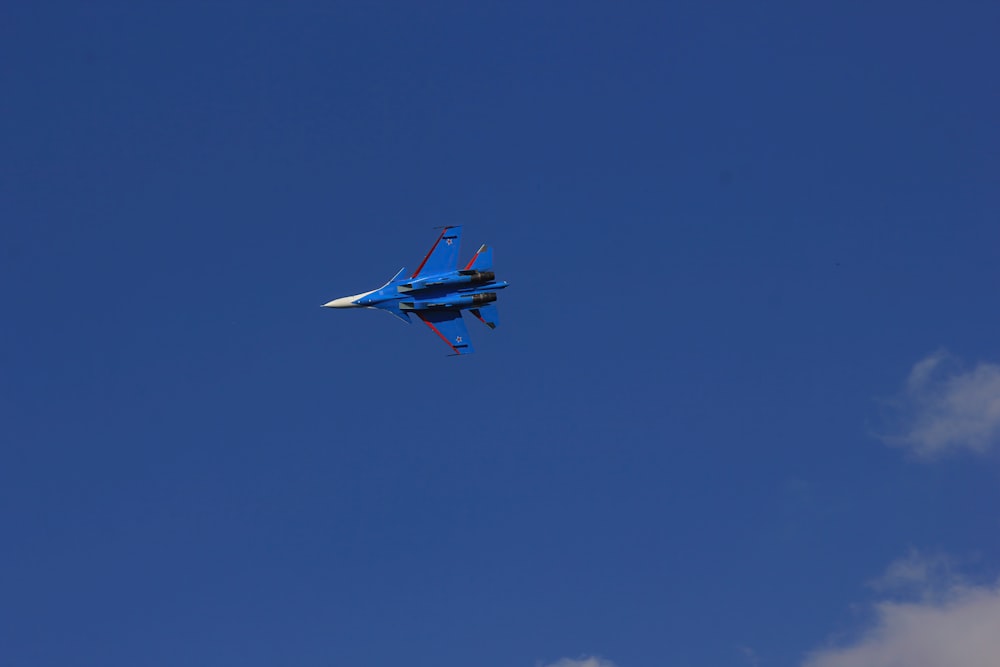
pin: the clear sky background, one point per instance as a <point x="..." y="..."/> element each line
<point x="742" y="408"/>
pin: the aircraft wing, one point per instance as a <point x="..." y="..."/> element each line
<point x="450" y="327"/>
<point x="443" y="255"/>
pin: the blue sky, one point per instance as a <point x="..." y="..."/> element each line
<point x="741" y="408"/>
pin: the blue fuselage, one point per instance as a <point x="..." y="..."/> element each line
<point x="404" y="295"/>
<point x="438" y="291"/>
<point x="456" y="290"/>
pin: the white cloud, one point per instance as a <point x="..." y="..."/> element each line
<point x="951" y="624"/>
<point x="918" y="573"/>
<point x="591" y="661"/>
<point x="945" y="409"/>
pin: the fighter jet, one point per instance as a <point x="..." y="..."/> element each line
<point x="438" y="291"/>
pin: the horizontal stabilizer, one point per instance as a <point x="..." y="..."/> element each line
<point x="482" y="260"/>
<point x="487" y="314"/>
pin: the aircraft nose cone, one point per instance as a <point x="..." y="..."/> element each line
<point x="343" y="302"/>
<point x="353" y="301"/>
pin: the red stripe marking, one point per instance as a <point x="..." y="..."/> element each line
<point x="473" y="260"/>
<point x="429" y="253"/>
<point x="438" y="332"/>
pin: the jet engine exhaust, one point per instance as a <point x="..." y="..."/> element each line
<point x="478" y="299"/>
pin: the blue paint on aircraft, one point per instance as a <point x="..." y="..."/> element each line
<point x="438" y="291"/>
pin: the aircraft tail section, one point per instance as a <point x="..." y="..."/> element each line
<point x="482" y="260"/>
<point x="487" y="314"/>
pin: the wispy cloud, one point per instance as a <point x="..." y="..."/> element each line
<point x="944" y="408"/>
<point x="586" y="661"/>
<point x="750" y="655"/>
<point x="926" y="575"/>
<point x="951" y="622"/>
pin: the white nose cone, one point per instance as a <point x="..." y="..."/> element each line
<point x="342" y="302"/>
<point x="347" y="301"/>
